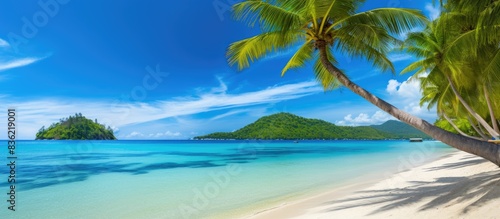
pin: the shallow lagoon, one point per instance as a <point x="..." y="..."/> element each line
<point x="191" y="179"/>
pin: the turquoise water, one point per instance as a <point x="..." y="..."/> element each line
<point x="189" y="179"/>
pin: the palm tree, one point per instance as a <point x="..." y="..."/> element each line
<point x="482" y="37"/>
<point x="466" y="63"/>
<point x="443" y="64"/>
<point x="322" y="26"/>
<point x="436" y="92"/>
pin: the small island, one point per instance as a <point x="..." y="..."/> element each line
<point x="76" y="127"/>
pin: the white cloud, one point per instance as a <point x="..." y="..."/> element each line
<point x="5" y="65"/>
<point x="15" y="62"/>
<point x="370" y="74"/>
<point x="222" y="87"/>
<point x="434" y="11"/>
<point x="37" y="113"/>
<point x="230" y="113"/>
<point x="283" y="53"/>
<point x="135" y="134"/>
<point x="365" y="119"/>
<point x="406" y="95"/>
<point x="168" y="134"/>
<point x="399" y="57"/>
<point x="4" y="43"/>
<point x="408" y="89"/>
<point x="392" y="86"/>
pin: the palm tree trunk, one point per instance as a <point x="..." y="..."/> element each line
<point x="458" y="129"/>
<point x="490" y="108"/>
<point x="481" y="121"/>
<point x="478" y="130"/>
<point x="483" y="149"/>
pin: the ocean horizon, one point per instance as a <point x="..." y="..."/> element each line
<point x="193" y="178"/>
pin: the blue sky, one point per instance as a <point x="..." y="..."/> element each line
<point x="157" y="70"/>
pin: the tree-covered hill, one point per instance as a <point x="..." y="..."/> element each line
<point x="289" y="126"/>
<point x="400" y="130"/>
<point x="76" y="128"/>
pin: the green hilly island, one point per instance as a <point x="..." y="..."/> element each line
<point x="398" y="129"/>
<point x="76" y="127"/>
<point x="289" y="126"/>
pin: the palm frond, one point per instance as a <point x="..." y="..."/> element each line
<point x="245" y="51"/>
<point x="421" y="40"/>
<point x="421" y="66"/>
<point x="299" y="59"/>
<point x="372" y="43"/>
<point x="488" y="22"/>
<point x="307" y="8"/>
<point x="455" y="49"/>
<point x="343" y="9"/>
<point x="492" y="69"/>
<point x="394" y="20"/>
<point x="270" y="17"/>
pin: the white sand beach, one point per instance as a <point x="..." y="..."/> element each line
<point x="459" y="185"/>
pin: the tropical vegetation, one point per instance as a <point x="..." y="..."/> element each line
<point x="290" y="126"/>
<point x="459" y="67"/>
<point x="464" y="58"/>
<point x="76" y="127"/>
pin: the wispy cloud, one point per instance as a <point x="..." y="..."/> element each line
<point x="433" y="11"/>
<point x="16" y="63"/>
<point x="284" y="53"/>
<point x="44" y="112"/>
<point x="399" y="57"/>
<point x="370" y="74"/>
<point x="217" y="101"/>
<point x="3" y="43"/>
<point x="230" y="113"/>
<point x="222" y="86"/>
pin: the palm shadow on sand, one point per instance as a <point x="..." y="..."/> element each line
<point x="444" y="191"/>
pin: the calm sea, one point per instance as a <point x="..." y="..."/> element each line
<point x="189" y="179"/>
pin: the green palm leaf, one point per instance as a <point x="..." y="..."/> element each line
<point x="270" y="17"/>
<point x="394" y="20"/>
<point x="299" y="59"/>
<point x="248" y="50"/>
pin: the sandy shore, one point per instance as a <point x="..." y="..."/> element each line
<point x="457" y="186"/>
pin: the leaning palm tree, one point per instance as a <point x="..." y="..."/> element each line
<point x="321" y="27"/>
